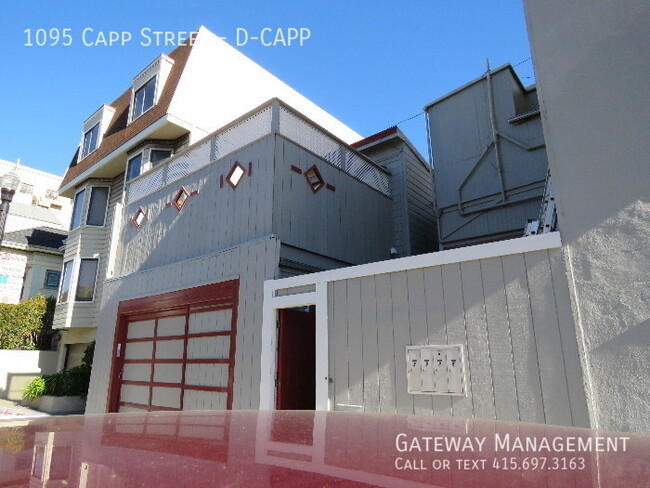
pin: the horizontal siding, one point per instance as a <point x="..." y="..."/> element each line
<point x="511" y="314"/>
<point x="89" y="242"/>
<point x="460" y="132"/>
<point x="253" y="263"/>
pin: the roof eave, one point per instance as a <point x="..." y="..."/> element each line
<point x="68" y="189"/>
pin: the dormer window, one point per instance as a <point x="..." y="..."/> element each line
<point x="148" y="86"/>
<point x="143" y="99"/>
<point x="94" y="128"/>
<point x="90" y="141"/>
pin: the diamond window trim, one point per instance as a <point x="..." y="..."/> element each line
<point x="181" y="198"/>
<point x="314" y="179"/>
<point x="235" y="175"/>
<point x="139" y="218"/>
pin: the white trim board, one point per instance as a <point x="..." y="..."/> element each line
<point x="520" y="245"/>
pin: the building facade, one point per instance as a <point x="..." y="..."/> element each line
<point x="31" y="251"/>
<point x="489" y="156"/>
<point x="187" y="196"/>
<point x="596" y="132"/>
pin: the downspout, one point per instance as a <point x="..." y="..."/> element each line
<point x="495" y="133"/>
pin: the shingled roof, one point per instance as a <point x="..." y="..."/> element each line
<point x="44" y="238"/>
<point x="119" y="131"/>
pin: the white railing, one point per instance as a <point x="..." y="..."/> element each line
<point x="273" y="116"/>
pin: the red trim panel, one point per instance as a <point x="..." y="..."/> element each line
<point x="182" y="303"/>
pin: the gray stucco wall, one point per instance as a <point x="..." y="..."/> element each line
<point x="591" y="61"/>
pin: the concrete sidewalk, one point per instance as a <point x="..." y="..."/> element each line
<point x="10" y="409"/>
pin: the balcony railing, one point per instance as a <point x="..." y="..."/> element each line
<point x="272" y="117"/>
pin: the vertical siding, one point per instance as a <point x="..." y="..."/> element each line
<point x="252" y="263"/>
<point x="385" y="341"/>
<point x="510" y="313"/>
<point x="348" y="224"/>
<point x="220" y="216"/>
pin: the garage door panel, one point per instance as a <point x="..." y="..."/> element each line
<point x="171" y="326"/>
<point x="215" y="375"/>
<point x="204" y="400"/>
<point x="136" y="372"/>
<point x="168" y="373"/>
<point x="174" y="350"/>
<point x="138" y="330"/>
<point x="208" y="347"/>
<point x="170" y="349"/>
<point x="214" y="321"/>
<point x="135" y="394"/>
<point x="166" y="397"/>
<point x="138" y="350"/>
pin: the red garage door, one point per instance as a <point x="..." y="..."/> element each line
<point x="176" y="351"/>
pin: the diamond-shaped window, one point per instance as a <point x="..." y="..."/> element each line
<point x="181" y="198"/>
<point x="314" y="178"/>
<point x="236" y="174"/>
<point x="139" y="218"/>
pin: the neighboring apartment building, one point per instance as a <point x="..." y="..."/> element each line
<point x="31" y="252"/>
<point x="37" y="202"/>
<point x="489" y="158"/>
<point x="204" y="185"/>
<point x="412" y="190"/>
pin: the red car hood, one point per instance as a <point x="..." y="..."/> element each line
<point x="287" y="449"/>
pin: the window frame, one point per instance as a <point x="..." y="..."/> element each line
<point x="74" y="207"/>
<point x="49" y="272"/>
<point x="90" y="199"/>
<point x="62" y="281"/>
<point x="85" y="154"/>
<point x="128" y="165"/>
<point x="78" y="274"/>
<point x="159" y="149"/>
<point x="134" y="92"/>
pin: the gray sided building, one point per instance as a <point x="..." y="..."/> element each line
<point x="180" y="316"/>
<point x="412" y="190"/>
<point x="489" y="159"/>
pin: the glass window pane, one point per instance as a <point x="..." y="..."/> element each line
<point x="52" y="279"/>
<point x="97" y="206"/>
<point x="143" y="99"/>
<point x="78" y="207"/>
<point x="90" y="141"/>
<point x="137" y="103"/>
<point x="86" y="281"/>
<point x="158" y="155"/>
<point x="149" y="90"/>
<point x="134" y="166"/>
<point x="67" y="277"/>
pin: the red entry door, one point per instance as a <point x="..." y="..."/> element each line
<point x="296" y="387"/>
